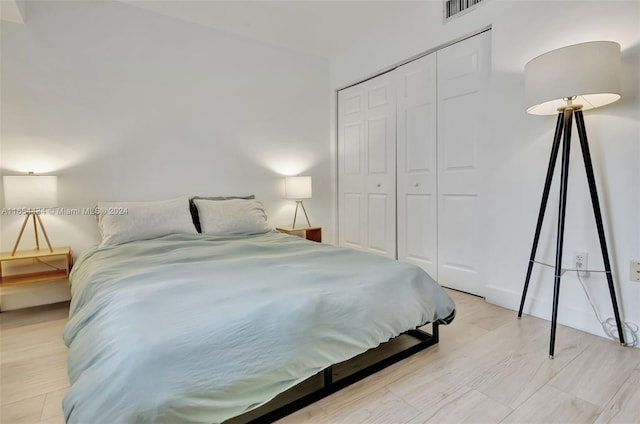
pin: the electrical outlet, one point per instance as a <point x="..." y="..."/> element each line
<point x="581" y="261"/>
<point x="634" y="271"/>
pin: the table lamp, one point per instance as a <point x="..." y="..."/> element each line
<point x="566" y="82"/>
<point x="31" y="193"/>
<point x="298" y="188"/>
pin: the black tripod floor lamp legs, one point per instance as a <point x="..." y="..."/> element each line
<point x="555" y="82"/>
<point x="563" y="126"/>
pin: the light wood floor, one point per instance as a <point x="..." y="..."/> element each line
<point x="488" y="368"/>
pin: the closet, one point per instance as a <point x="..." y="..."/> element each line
<point x="410" y="174"/>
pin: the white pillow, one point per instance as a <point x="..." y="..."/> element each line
<point x="121" y="222"/>
<point x="234" y="216"/>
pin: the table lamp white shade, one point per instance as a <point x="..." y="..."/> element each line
<point x="298" y="187"/>
<point x="30" y="191"/>
<point x="590" y="72"/>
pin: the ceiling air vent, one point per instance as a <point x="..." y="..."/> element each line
<point x="458" y="7"/>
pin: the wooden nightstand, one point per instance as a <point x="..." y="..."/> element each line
<point x="34" y="266"/>
<point x="310" y="233"/>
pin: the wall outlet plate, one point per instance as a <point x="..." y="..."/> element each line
<point x="634" y="271"/>
<point x="581" y="262"/>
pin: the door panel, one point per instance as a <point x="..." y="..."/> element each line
<point x="459" y="150"/>
<point x="366" y="194"/>
<point x="351" y="219"/>
<point x="378" y="146"/>
<point x="419" y="246"/>
<point x="379" y="92"/>
<point x="417" y="177"/>
<point x="351" y="139"/>
<point x="463" y="76"/>
<point x="380" y="181"/>
<point x="351" y="155"/>
<point x="377" y="231"/>
<point x="459" y="213"/>
<point x="419" y="122"/>
<point x="352" y="104"/>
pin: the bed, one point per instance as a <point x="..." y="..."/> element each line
<point x="201" y="328"/>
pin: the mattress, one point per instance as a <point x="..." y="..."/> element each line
<point x="199" y="329"/>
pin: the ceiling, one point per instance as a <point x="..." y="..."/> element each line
<point x="319" y="28"/>
<point x="323" y="28"/>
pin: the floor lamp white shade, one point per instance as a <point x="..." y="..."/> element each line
<point x="30" y="191"/>
<point x="588" y="73"/>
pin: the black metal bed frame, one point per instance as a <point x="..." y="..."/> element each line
<point x="330" y="386"/>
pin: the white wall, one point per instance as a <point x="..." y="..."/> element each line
<point x="519" y="145"/>
<point x="124" y="104"/>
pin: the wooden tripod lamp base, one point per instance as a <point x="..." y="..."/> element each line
<point x="35" y="217"/>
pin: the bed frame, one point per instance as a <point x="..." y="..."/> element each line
<point x="339" y="376"/>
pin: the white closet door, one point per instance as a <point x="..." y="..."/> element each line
<point x="463" y="76"/>
<point x="417" y="167"/>
<point x="366" y="166"/>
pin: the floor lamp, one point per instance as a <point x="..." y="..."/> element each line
<point x="29" y="194"/>
<point x="568" y="81"/>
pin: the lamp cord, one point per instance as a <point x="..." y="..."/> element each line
<point x="609" y="325"/>
<point x="47" y="264"/>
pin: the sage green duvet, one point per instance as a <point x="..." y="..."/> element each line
<point x="198" y="329"/>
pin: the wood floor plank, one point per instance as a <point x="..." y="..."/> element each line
<point x="465" y="406"/>
<point x="53" y="404"/>
<point x="32" y="341"/>
<point x="598" y="372"/>
<point x="381" y="407"/>
<point x="25" y="379"/>
<point x="521" y="372"/>
<point x="312" y="414"/>
<point x="430" y="394"/>
<point x="377" y="381"/>
<point x="457" y="334"/>
<point x="624" y="408"/>
<point x="26" y="411"/>
<point x="55" y="420"/>
<point x="480" y="360"/>
<point x="470" y="362"/>
<point x="550" y="406"/>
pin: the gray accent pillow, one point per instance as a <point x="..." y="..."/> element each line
<point x="194" y="210"/>
<point x="232" y="217"/>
